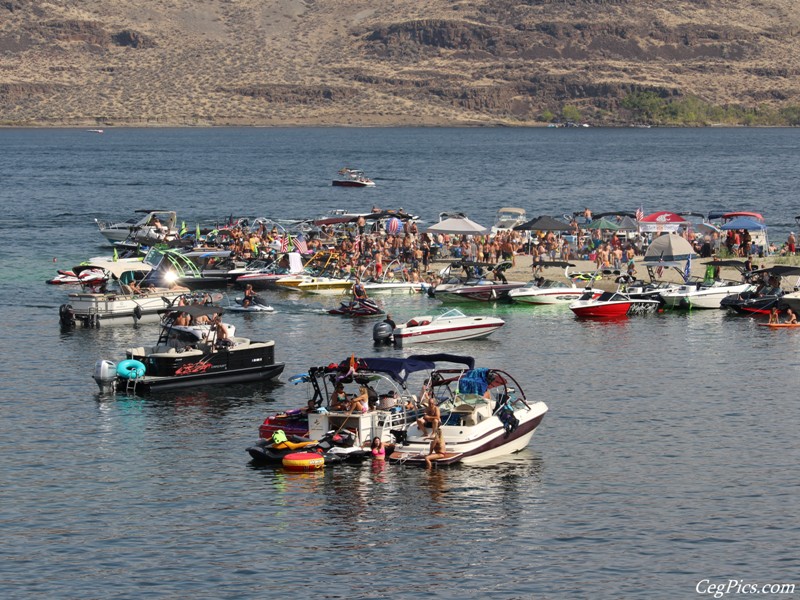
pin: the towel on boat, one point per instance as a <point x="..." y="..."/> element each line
<point x="474" y="381"/>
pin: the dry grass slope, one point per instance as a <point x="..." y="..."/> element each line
<point x="383" y="62"/>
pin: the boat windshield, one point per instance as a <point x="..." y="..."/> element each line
<point x="453" y="313"/>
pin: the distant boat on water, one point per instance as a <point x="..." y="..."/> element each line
<point x="95" y="130"/>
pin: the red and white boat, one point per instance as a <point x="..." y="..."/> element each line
<point x="612" y="304"/>
<point x="450" y="326"/>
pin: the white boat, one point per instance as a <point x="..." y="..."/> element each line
<point x="118" y="299"/>
<point x="709" y="292"/>
<point x="549" y="291"/>
<point x="450" y="326"/>
<point x="153" y="226"/>
<point x="507" y="218"/>
<point x="352" y="178"/>
<point x="485" y="415"/>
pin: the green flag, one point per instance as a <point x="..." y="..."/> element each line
<point x="116" y="256"/>
<point x="183" y="229"/>
<point x="197" y="232"/>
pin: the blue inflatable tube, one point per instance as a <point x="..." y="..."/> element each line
<point x="130" y="369"/>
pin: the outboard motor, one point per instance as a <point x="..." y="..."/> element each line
<point x="105" y="374"/>
<point x="66" y="316"/>
<point x="382" y="333"/>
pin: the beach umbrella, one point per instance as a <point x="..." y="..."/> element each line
<point x="669" y="247"/>
<point x="744" y="223"/>
<point x="393" y="225"/>
<point x="602" y="224"/>
<point x="543" y="223"/>
<point x="662" y="221"/>
<point x="458" y="226"/>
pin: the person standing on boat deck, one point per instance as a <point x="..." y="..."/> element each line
<point x="437" y="448"/>
<point x="432" y="417"/>
<point x="219" y="329"/>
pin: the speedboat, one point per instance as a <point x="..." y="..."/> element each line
<point x="189" y="357"/>
<point x="768" y="294"/>
<point x="549" y="291"/>
<point x="612" y="304"/>
<point x="507" y="218"/>
<point x="152" y="227"/>
<point x="289" y="264"/>
<point x="485" y="415"/>
<point x="710" y="291"/>
<point x="120" y="297"/>
<point x="352" y="178"/>
<point x="450" y="326"/>
<point x="473" y="285"/>
<point x="392" y="407"/>
<point x="359" y="307"/>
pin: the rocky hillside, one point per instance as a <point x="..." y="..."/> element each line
<point x="382" y="62"/>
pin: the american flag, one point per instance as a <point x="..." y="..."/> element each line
<point x="284" y="243"/>
<point x="687" y="271"/>
<point x="300" y="244"/>
<point x="639" y="213"/>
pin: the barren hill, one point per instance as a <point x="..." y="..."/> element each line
<point x="382" y="62"/>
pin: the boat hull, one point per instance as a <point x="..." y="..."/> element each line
<point x="353" y="184"/>
<point x="562" y="297"/>
<point x="405" y="336"/>
<point x="148" y="384"/>
<point x="91" y="308"/>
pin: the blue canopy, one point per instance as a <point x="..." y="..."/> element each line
<point x="400" y="368"/>
<point x="744" y="223"/>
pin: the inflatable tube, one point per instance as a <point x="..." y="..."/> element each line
<point x="303" y="461"/>
<point x="130" y="369"/>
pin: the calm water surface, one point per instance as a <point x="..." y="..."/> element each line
<point x="668" y="456"/>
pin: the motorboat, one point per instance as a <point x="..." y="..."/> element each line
<point x="189" y="357"/>
<point x="709" y="292"/>
<point x="152" y="226"/>
<point x="473" y="285"/>
<point x="310" y="284"/>
<point x="124" y="296"/>
<point x="612" y="304"/>
<point x="484" y="413"/>
<point x="196" y="270"/>
<point x="767" y="292"/>
<point x="452" y="325"/>
<point x="507" y="218"/>
<point x="549" y="291"/>
<point x="352" y="178"/>
<point x="358" y="307"/>
<point x="290" y="264"/>
<point x="392" y="407"/>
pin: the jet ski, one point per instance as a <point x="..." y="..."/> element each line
<point x="360" y="307"/>
<point x="258" y="304"/>
<point x="334" y="447"/>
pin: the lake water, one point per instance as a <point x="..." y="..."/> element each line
<point x="669" y="454"/>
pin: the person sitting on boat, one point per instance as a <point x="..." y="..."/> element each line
<point x="792" y="318"/>
<point x="437" y="448"/>
<point x="182" y="320"/>
<point x="773" y="316"/>
<point x="359" y="292"/>
<point x="432" y="417"/>
<point x="339" y="398"/>
<point x="249" y="296"/>
<point x="361" y="402"/>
